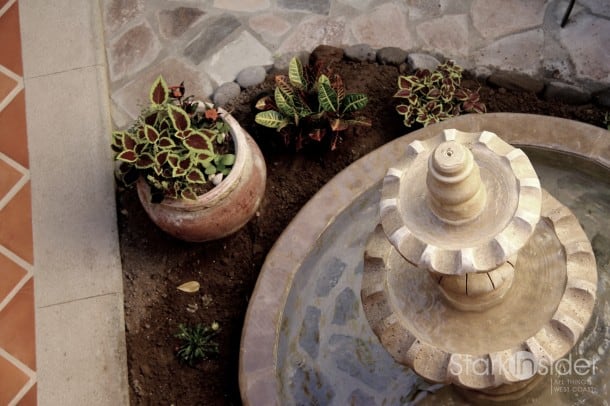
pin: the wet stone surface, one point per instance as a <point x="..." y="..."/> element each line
<point x="330" y="278"/>
<point x="327" y="352"/>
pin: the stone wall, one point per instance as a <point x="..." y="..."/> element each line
<point x="208" y="43"/>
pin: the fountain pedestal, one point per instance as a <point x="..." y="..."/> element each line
<point x="475" y="276"/>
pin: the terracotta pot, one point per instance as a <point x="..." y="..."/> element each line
<point x="224" y="209"/>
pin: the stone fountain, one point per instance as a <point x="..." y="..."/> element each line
<point x="480" y="289"/>
<point x="475" y="275"/>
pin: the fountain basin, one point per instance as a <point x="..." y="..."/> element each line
<point x="305" y="337"/>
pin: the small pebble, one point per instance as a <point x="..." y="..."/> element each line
<point x="216" y="179"/>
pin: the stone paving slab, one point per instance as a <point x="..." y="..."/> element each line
<point x="221" y="37"/>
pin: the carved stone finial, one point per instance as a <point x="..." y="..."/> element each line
<point x="456" y="193"/>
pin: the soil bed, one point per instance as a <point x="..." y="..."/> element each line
<point x="154" y="264"/>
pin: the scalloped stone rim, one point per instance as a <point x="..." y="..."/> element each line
<point x="487" y="255"/>
<point x="551" y="342"/>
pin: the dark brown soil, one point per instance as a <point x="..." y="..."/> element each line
<point x="154" y="264"/>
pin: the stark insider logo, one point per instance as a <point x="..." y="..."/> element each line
<point x="520" y="366"/>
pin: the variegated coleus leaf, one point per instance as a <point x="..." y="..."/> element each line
<point x="180" y="118"/>
<point x="159" y="91"/>
<point x="198" y="141"/>
<point x="145" y="161"/>
<point x="150" y="133"/>
<point x="195" y="176"/>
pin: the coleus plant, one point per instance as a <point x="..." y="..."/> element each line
<point x="308" y="105"/>
<point x="172" y="144"/>
<point x="435" y="96"/>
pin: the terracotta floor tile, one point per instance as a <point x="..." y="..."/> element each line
<point x="17" y="328"/>
<point x="30" y="398"/>
<point x="12" y="381"/>
<point x="13" y="139"/>
<point x="8" y="177"/>
<point x="10" y="275"/>
<point x="6" y="84"/>
<point x="3" y="2"/>
<point x="10" y="56"/>
<point x="16" y="220"/>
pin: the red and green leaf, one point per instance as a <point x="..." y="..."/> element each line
<point x="180" y="119"/>
<point x="195" y="176"/>
<point x="159" y="92"/>
<point x="127" y="156"/>
<point x="151" y="134"/>
<point x="198" y="141"/>
<point x="145" y="161"/>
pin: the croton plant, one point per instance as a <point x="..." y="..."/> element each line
<point x="310" y="103"/>
<point x="435" y="96"/>
<point x="173" y="144"/>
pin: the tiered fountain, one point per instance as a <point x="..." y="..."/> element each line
<point x="475" y="275"/>
<point x="453" y="271"/>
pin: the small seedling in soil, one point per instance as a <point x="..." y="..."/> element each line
<point x="197" y="342"/>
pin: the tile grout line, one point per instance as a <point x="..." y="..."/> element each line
<point x="5" y="8"/>
<point x="11" y="295"/>
<point x="14" y="190"/>
<point x="18" y="364"/>
<point x="21" y="394"/>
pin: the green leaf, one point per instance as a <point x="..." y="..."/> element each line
<point x="284" y="102"/>
<point x="295" y="74"/>
<point x="210" y="170"/>
<point x="159" y="92"/>
<point x="327" y="97"/>
<point x="353" y="102"/>
<point x="127" y="156"/>
<point x="227" y="159"/>
<point x="271" y="119"/>
<point x="180" y="119"/>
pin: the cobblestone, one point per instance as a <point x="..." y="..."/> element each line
<point x="251" y="76"/>
<point x="385" y="26"/>
<point x="174" y="23"/>
<point x="360" y="52"/>
<point x="312" y="6"/>
<point x="447" y="34"/>
<point x="391" y="56"/>
<point x="566" y="93"/>
<point x="244" y="51"/>
<point x="517" y="43"/>
<point x="422" y="61"/>
<point x="133" y="51"/>
<point x="225" y="93"/>
<point x="519" y="52"/>
<point x="496" y="18"/>
<point x="215" y="30"/>
<point x="587" y="39"/>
